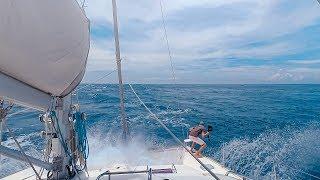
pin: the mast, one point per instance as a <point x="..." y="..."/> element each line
<point x="118" y="60"/>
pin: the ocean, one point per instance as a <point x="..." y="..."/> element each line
<point x="258" y="130"/>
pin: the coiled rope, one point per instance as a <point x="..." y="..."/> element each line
<point x="172" y="135"/>
<point x="80" y="129"/>
<point x="54" y="117"/>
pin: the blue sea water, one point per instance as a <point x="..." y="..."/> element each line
<point x="258" y="130"/>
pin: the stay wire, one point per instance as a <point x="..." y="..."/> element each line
<point x="16" y="141"/>
<point x="97" y="80"/>
<point x="311" y="175"/>
<point x="164" y="26"/>
<point x="167" y="41"/>
<point x="83" y="4"/>
<point x="18" y="112"/>
<point x="303" y="172"/>
<point x="172" y="135"/>
<point x="22" y="151"/>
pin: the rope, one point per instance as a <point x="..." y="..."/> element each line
<point x="18" y="112"/>
<point x="2" y="121"/>
<point x="172" y="135"/>
<point x="83" y="4"/>
<point x="48" y="144"/>
<point x="167" y="42"/>
<point x="104" y="76"/>
<point x="80" y="129"/>
<point x="3" y="114"/>
<point x="303" y="172"/>
<point x="164" y="26"/>
<point x="62" y="141"/>
<point x="1" y="131"/>
<point x="22" y="152"/>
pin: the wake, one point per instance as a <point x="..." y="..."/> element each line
<point x="282" y="154"/>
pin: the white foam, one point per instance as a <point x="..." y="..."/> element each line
<point x="281" y="152"/>
<point x="107" y="149"/>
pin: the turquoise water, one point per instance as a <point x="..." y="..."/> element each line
<point x="258" y="130"/>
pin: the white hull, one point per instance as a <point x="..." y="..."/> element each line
<point x="182" y="164"/>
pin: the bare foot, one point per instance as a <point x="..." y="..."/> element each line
<point x="198" y="155"/>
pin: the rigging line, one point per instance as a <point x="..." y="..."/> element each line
<point x="174" y="136"/>
<point x="83" y="4"/>
<point x="303" y="172"/>
<point x="170" y="58"/>
<point x="22" y="151"/>
<point x="167" y="42"/>
<point x="2" y="121"/>
<point x="62" y="141"/>
<point x="97" y="80"/>
<point x="30" y="116"/>
<point x="18" y="112"/>
<point x="48" y="146"/>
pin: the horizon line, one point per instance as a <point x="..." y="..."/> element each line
<point x="207" y="83"/>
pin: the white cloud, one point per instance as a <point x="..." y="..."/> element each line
<point x="285" y="76"/>
<point x="314" y="61"/>
<point x="296" y="75"/>
<point x="146" y="10"/>
<point x="253" y="21"/>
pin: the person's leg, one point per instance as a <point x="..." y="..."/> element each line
<point x="192" y="146"/>
<point x="193" y="139"/>
<point x="202" y="146"/>
<point x="201" y="149"/>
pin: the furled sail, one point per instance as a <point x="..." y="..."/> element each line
<point x="44" y="44"/>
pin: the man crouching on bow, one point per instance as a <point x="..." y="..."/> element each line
<point x="194" y="134"/>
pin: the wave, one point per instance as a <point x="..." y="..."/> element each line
<point x="285" y="153"/>
<point x="107" y="149"/>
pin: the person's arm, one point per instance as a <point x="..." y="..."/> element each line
<point x="205" y="133"/>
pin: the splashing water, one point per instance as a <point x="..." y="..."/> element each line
<point x="245" y="120"/>
<point x="283" y="153"/>
<point x="109" y="150"/>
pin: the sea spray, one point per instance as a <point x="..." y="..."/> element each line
<point x="285" y="153"/>
<point x="107" y="149"/>
<point x="235" y="111"/>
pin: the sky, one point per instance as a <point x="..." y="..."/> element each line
<point x="211" y="41"/>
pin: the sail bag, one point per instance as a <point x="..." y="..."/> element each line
<point x="44" y="44"/>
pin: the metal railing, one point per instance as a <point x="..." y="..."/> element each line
<point x="108" y="173"/>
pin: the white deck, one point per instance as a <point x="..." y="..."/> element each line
<point x="186" y="167"/>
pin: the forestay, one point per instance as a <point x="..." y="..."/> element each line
<point x="44" y="44"/>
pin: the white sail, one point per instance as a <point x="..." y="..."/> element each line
<point x="44" y="44"/>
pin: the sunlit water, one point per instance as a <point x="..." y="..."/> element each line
<point x="259" y="130"/>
